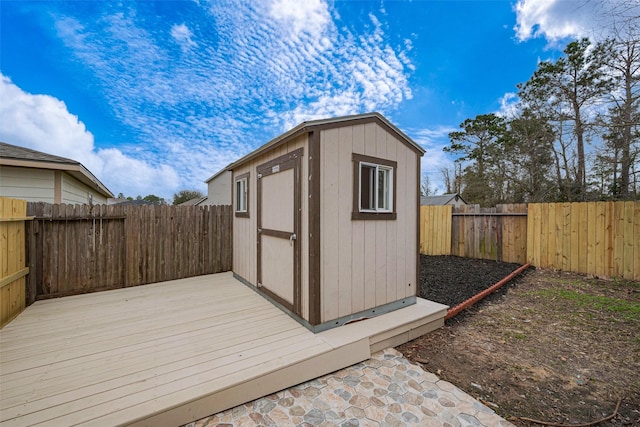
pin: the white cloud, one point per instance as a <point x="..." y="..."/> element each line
<point x="509" y="105"/>
<point x="435" y="159"/>
<point x="43" y="123"/>
<point x="311" y="16"/>
<point x="557" y="20"/>
<point x="182" y="34"/>
<point x="266" y="67"/>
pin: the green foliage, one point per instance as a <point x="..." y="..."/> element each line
<point x="587" y="97"/>
<point x="480" y="145"/>
<point x="156" y="200"/>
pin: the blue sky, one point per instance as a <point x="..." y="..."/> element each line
<point x="155" y="97"/>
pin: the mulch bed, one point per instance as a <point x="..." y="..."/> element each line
<point x="451" y="280"/>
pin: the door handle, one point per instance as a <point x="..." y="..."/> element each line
<point x="292" y="238"/>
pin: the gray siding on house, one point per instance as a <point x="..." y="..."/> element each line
<point x="39" y="185"/>
<point x="32" y="185"/>
<point x="219" y="189"/>
<point x="75" y="192"/>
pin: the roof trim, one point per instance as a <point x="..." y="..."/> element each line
<point x="310" y="126"/>
<point x="217" y="174"/>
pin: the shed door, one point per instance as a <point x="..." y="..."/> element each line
<point x="279" y="219"/>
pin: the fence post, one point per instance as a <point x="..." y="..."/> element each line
<point x="13" y="269"/>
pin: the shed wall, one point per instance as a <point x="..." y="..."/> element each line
<point x="32" y="185"/>
<point x="365" y="263"/>
<point x="245" y="229"/>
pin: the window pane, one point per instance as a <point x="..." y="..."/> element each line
<point x="367" y="187"/>
<point x="241" y="195"/>
<point x="383" y="189"/>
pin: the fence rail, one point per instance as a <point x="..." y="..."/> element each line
<point x="600" y="238"/>
<point x="80" y="248"/>
<point x="12" y="258"/>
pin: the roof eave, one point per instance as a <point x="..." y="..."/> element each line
<point x="311" y="125"/>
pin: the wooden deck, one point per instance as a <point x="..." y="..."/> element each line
<point x="172" y="352"/>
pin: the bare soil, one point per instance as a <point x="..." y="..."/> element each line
<point x="553" y="346"/>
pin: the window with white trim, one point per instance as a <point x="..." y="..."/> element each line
<point x="376" y="188"/>
<point x="242" y="195"/>
<point x="373" y="188"/>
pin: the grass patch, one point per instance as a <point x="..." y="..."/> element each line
<point x="627" y="309"/>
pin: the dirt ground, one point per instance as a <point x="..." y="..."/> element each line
<point x="552" y="346"/>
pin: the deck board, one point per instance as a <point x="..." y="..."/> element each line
<point x="167" y="351"/>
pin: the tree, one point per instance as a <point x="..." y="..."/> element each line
<point x="425" y="186"/>
<point x="563" y="91"/>
<point x="153" y="199"/>
<point x="528" y="150"/>
<point x="452" y="179"/>
<point x="186" y="195"/>
<point x="480" y="145"/>
<point x="624" y="118"/>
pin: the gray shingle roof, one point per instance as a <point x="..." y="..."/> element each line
<point x="440" y="200"/>
<point x="9" y="151"/>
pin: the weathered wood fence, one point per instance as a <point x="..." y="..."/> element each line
<point x="600" y="238"/>
<point x="13" y="215"/>
<point x="498" y="233"/>
<point x="80" y="248"/>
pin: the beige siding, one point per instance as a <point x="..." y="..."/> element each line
<point x="219" y="190"/>
<point x="32" y="185"/>
<point x="75" y="192"/>
<point x="245" y="229"/>
<point x="365" y="263"/>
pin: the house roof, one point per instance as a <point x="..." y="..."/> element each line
<point x="320" y="124"/>
<point x="440" y="200"/>
<point x="193" y="202"/>
<point x="13" y="155"/>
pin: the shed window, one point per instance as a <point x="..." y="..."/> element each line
<point x="376" y="192"/>
<point x="373" y="188"/>
<point x="242" y="195"/>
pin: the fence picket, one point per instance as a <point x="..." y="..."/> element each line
<point x="77" y="249"/>
<point x="599" y="238"/>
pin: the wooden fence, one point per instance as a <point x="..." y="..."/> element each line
<point x="80" y="248"/>
<point x="600" y="238"/>
<point x="13" y="215"/>
<point x="498" y="233"/>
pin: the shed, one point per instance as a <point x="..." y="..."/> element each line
<point x="326" y="220"/>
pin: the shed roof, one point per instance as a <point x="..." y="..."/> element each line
<point x="320" y="124"/>
<point x="13" y="155"/>
<point x="439" y="200"/>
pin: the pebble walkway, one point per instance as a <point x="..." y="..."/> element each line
<point x="386" y="390"/>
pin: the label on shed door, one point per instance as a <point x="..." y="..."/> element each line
<point x="275" y="169"/>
